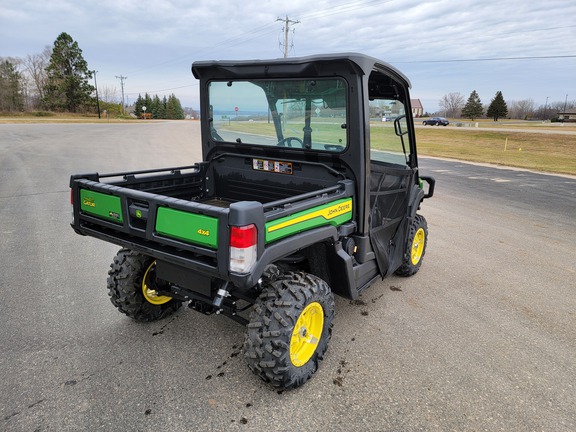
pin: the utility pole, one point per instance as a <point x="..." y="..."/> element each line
<point x="122" y="78"/>
<point x="287" y="23"/>
<point x="97" y="100"/>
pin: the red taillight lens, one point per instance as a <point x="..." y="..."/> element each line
<point x="243" y="248"/>
<point x="244" y="236"/>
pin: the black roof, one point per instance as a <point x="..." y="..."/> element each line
<point x="276" y="67"/>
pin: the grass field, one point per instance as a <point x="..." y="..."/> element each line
<point x="547" y="152"/>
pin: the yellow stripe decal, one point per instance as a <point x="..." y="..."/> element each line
<point x="327" y="213"/>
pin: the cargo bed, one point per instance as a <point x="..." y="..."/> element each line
<point x="183" y="215"/>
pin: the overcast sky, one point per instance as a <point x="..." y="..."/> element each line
<point x="527" y="48"/>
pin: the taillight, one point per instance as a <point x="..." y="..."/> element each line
<point x="72" y="205"/>
<point x="243" y="248"/>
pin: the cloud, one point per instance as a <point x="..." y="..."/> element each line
<point x="154" y="43"/>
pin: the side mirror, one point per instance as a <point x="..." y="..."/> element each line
<point x="400" y="125"/>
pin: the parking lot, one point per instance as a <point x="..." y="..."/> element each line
<point x="482" y="338"/>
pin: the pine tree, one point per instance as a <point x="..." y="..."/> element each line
<point x="473" y="108"/>
<point x="498" y="107"/>
<point x="156" y="107"/>
<point x="162" y="109"/>
<point x="11" y="94"/>
<point x="148" y="103"/>
<point x="174" y="108"/>
<point x="67" y="87"/>
<point x="138" y="106"/>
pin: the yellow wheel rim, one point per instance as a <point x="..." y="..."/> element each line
<point x="149" y="292"/>
<point x="306" y="335"/>
<point x="418" y="246"/>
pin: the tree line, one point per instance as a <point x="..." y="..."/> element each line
<point x="455" y="105"/>
<point x="58" y="80"/>
<point x="165" y="108"/>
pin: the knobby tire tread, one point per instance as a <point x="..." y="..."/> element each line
<point x="125" y="288"/>
<point x="267" y="343"/>
<point x="407" y="268"/>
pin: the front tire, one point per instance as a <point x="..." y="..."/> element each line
<point x="415" y="247"/>
<point x="289" y="329"/>
<point x="132" y="286"/>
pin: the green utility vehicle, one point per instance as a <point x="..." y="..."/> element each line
<point x="309" y="187"/>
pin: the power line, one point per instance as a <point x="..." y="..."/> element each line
<point x="344" y="7"/>
<point x="339" y="8"/>
<point x="488" y="59"/>
<point x="535" y="30"/>
<point x="164" y="90"/>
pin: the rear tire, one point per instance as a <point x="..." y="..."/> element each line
<point x="415" y="247"/>
<point x="132" y="287"/>
<point x="289" y="329"/>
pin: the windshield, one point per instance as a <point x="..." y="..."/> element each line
<point x="304" y="114"/>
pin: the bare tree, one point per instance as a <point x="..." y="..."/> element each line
<point x="522" y="109"/>
<point x="514" y="110"/>
<point x="452" y="104"/>
<point x="554" y="108"/>
<point x="35" y="69"/>
<point x="108" y="94"/>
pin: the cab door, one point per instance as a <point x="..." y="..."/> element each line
<point x="390" y="182"/>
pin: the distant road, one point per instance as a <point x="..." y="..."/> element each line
<point x="534" y="129"/>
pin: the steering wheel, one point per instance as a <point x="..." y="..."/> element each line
<point x="288" y="142"/>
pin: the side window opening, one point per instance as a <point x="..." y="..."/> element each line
<point x="389" y="142"/>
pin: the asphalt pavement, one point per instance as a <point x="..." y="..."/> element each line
<point x="482" y="338"/>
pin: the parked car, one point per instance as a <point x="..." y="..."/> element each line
<point x="436" y="121"/>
